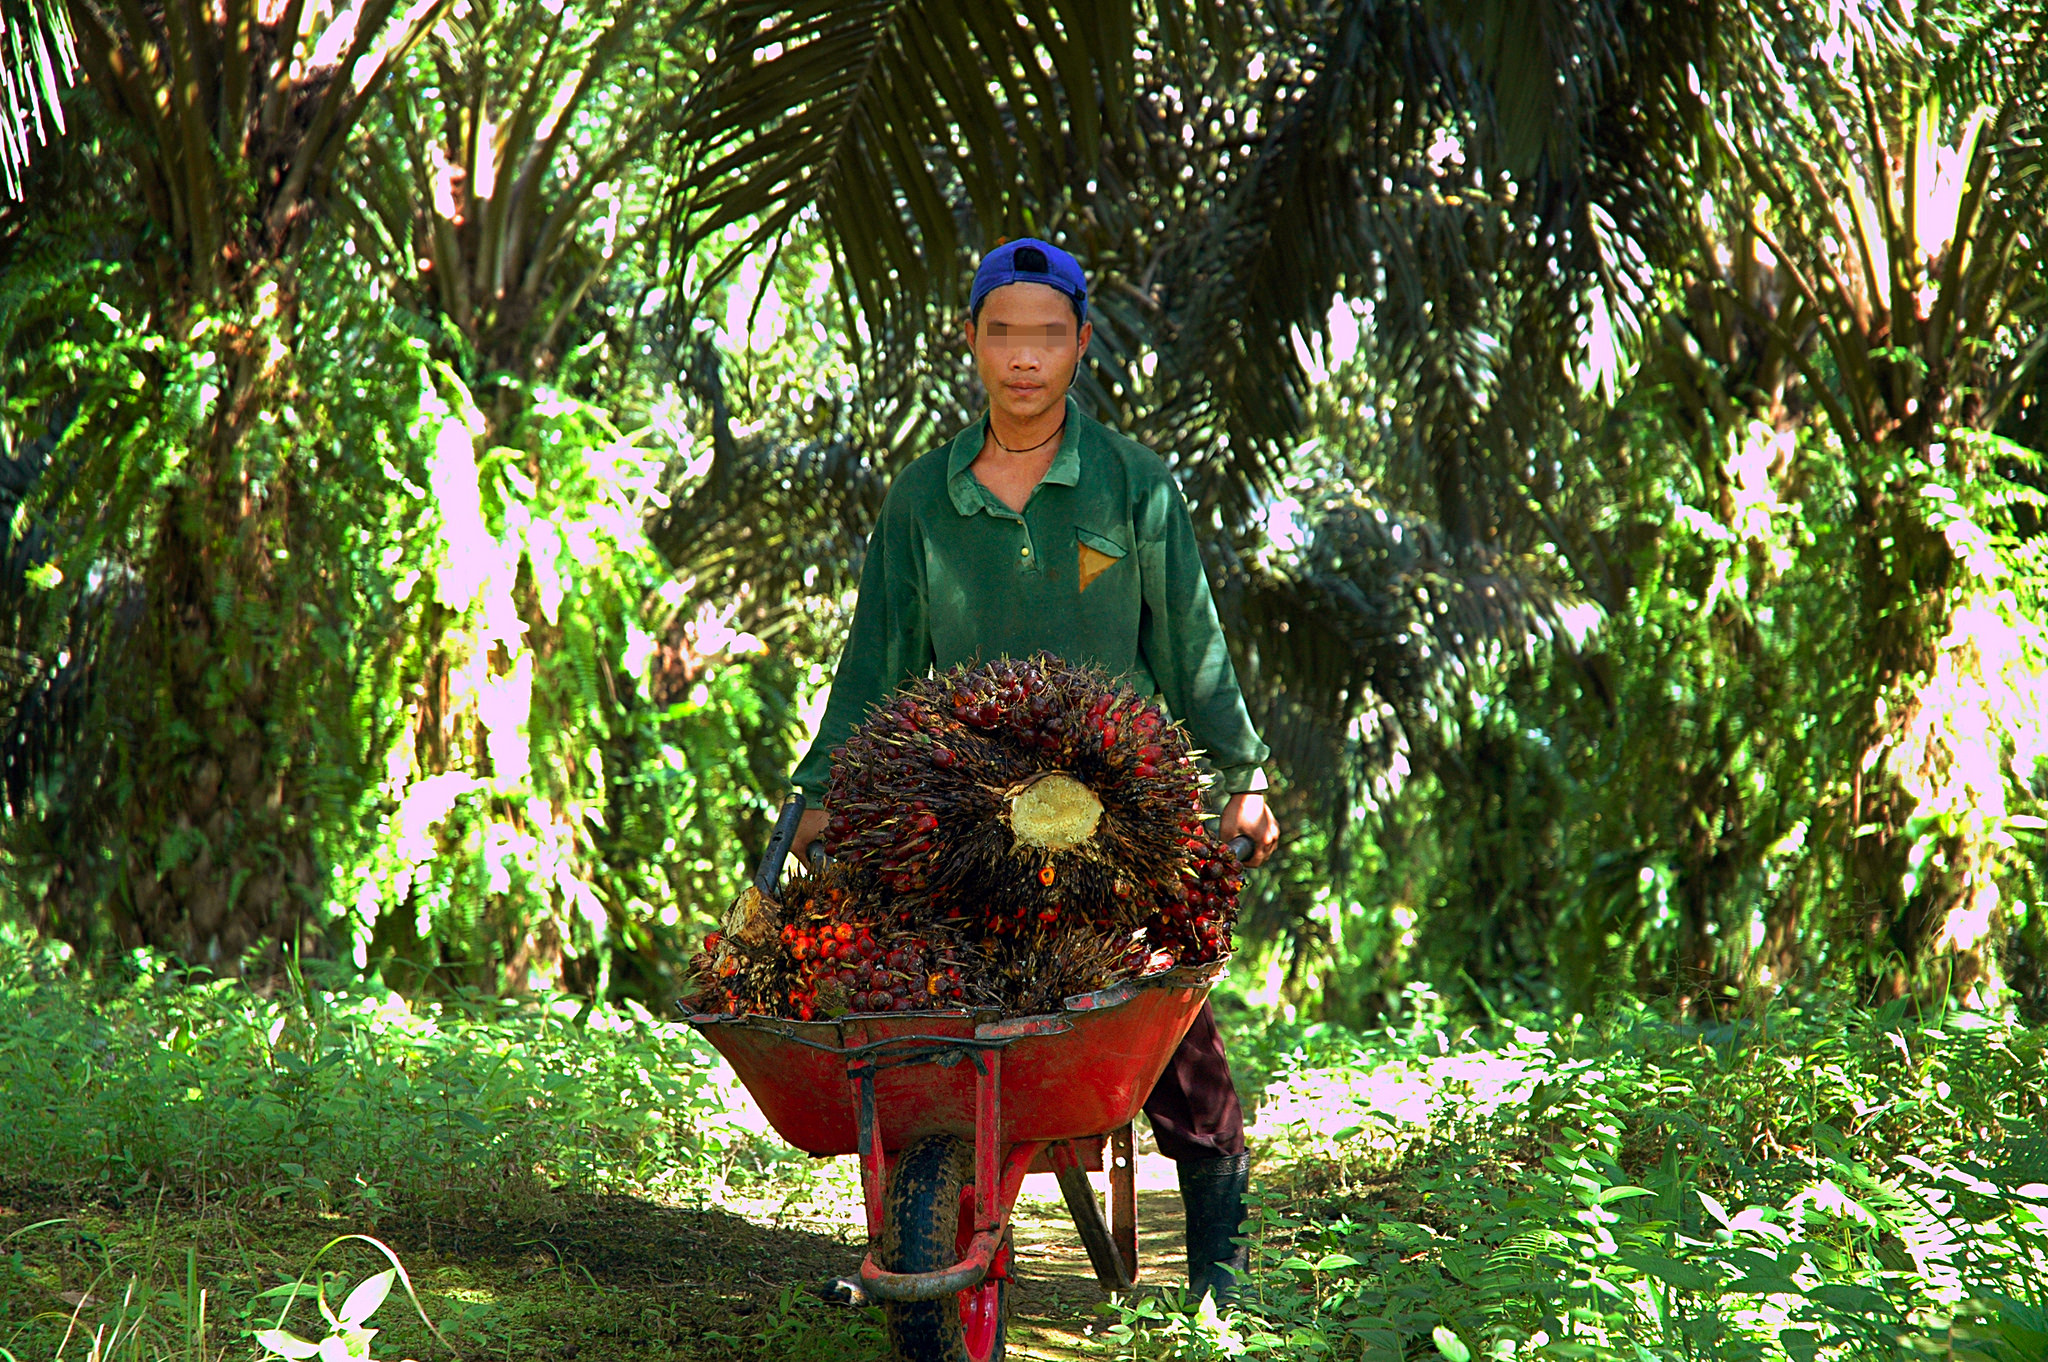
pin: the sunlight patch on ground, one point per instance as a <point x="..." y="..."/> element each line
<point x="1400" y="1096"/>
<point x="468" y="1295"/>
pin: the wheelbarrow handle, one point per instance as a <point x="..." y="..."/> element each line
<point x="768" y="878"/>
<point x="1241" y="846"/>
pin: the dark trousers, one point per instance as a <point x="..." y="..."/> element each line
<point x="1194" y="1108"/>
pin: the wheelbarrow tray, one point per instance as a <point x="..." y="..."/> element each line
<point x="1083" y="1071"/>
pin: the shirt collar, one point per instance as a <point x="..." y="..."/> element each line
<point x="967" y="493"/>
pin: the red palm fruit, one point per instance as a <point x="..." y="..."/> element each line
<point x="943" y="839"/>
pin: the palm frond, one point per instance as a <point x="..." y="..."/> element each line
<point x="508" y="159"/>
<point x="232" y="129"/>
<point x="779" y="519"/>
<point x="38" y="59"/>
<point x="910" y="129"/>
<point x="1372" y="636"/>
<point x="1362" y="158"/>
<point x="1222" y="203"/>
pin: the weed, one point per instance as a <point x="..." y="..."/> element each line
<point x="348" y="1098"/>
<point x="1811" y="1184"/>
<point x="348" y="1333"/>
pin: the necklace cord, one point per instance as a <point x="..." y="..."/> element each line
<point x="1023" y="449"/>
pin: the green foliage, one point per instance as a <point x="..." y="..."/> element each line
<point x="594" y="819"/>
<point x="1641" y="605"/>
<point x="1813" y="1182"/>
<point x="1808" y="1183"/>
<point x="588" y="765"/>
<point x="1666" y="801"/>
<point x="350" y="1098"/>
<point x="153" y="738"/>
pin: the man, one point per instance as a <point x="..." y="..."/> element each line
<point x="1038" y="529"/>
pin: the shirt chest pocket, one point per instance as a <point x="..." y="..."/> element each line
<point x="1097" y="554"/>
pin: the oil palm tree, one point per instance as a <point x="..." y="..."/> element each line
<point x="154" y="324"/>
<point x="1887" y="166"/>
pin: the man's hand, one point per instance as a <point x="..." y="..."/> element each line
<point x="1247" y="814"/>
<point x="809" y="829"/>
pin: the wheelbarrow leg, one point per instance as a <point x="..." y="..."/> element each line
<point x="1112" y="1268"/>
<point x="996" y="1175"/>
<point x="874" y="1164"/>
<point x="990" y="1207"/>
<point x="1123" y="1198"/>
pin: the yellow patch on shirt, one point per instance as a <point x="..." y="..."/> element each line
<point x="1094" y="562"/>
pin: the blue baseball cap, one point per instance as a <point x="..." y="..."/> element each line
<point x="1028" y="260"/>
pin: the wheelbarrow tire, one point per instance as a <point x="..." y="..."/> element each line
<point x="925" y="1229"/>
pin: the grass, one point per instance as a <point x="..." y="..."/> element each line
<point x="1825" y="1182"/>
<point x="345" y="1098"/>
<point x="186" y="1164"/>
<point x="164" y="1283"/>
<point x="555" y="1183"/>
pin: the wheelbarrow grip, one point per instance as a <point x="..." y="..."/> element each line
<point x="769" y="877"/>
<point x="1241" y="846"/>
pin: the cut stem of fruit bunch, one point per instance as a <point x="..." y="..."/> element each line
<point x="1002" y="837"/>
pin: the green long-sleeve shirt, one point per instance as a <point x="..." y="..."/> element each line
<point x="1101" y="567"/>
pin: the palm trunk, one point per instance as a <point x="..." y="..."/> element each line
<point x="218" y="856"/>
<point x="202" y="823"/>
<point x="1907" y="570"/>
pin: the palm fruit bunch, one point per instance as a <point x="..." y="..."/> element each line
<point x="1196" y="925"/>
<point x="1038" y="972"/>
<point x="823" y="950"/>
<point x="1001" y="836"/>
<point x="1027" y="792"/>
<point x="1018" y="799"/>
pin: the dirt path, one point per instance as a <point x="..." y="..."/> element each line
<point x="1057" y="1295"/>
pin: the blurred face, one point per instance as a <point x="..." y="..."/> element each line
<point x="1026" y="348"/>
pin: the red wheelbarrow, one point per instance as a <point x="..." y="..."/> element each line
<point x="949" y="1110"/>
<point x="948" y="1113"/>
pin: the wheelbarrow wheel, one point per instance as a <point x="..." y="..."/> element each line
<point x="927" y="1221"/>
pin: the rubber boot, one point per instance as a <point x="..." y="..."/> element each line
<point x="1212" y="1191"/>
